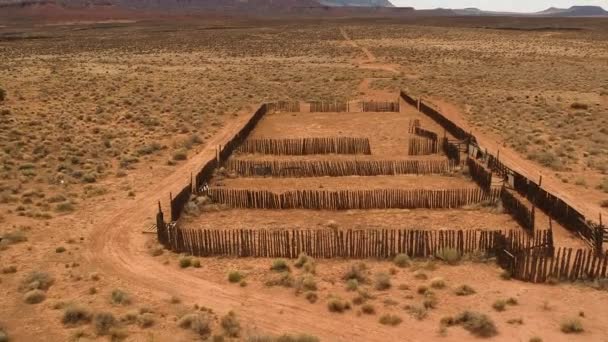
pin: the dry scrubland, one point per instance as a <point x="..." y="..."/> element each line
<point x="544" y="92"/>
<point x="95" y="114"/>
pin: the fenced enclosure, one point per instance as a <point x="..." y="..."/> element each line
<point x="523" y="214"/>
<point x="481" y="175"/>
<point x="337" y="168"/>
<point x="306" y="146"/>
<point x="352" y="199"/>
<point x="421" y="147"/>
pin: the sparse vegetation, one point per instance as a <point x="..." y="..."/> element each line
<point x="382" y="281"/>
<point x="337" y="304"/>
<point x="230" y="324"/>
<point x="389" y="319"/>
<point x="450" y="256"/>
<point x="75" y="315"/>
<point x="571" y="326"/>
<point x="196" y="322"/>
<point x="279" y="265"/>
<point x="401" y="260"/>
<point x="235" y="276"/>
<point x="437" y="283"/>
<point x="476" y="323"/>
<point x="34" y="296"/>
<point x="464" y="290"/>
<point x="120" y="297"/>
<point x="104" y="322"/>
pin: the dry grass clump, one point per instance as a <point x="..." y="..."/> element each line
<point x="37" y="281"/>
<point x="230" y="324"/>
<point x="438" y="283"/>
<point x="368" y="309"/>
<point x="401" y="260"/>
<point x="416" y="311"/>
<point x="197" y="322"/>
<point x="464" y="290"/>
<point x="382" y="281"/>
<point x="357" y="272"/>
<point x="76" y="315"/>
<point x="390" y="319"/>
<point x="450" y="256"/>
<point x="337" y="304"/>
<point x="476" y="323"/>
<point x="119" y="297"/>
<point x="572" y="326"/>
<point x="235" y="276"/>
<point x="306" y="263"/>
<point x="280" y="265"/>
<point x="104" y="322"/>
<point x="34" y="296"/>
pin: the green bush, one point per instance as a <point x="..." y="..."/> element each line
<point x="231" y="324"/>
<point x="389" y="319"/>
<point x="572" y="326"/>
<point x="34" y="296"/>
<point x="401" y="260"/>
<point x="235" y="276"/>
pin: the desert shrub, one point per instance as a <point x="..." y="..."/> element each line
<point x="235" y="276"/>
<point x="420" y="275"/>
<point x="60" y="249"/>
<point x="230" y="324"/>
<point x="389" y="319"/>
<point x="422" y="289"/>
<point x="196" y="263"/>
<point x="307" y="283"/>
<point x="437" y="283"/>
<point x="196" y="322"/>
<point x="306" y="262"/>
<point x="284" y="279"/>
<point x="3" y="335"/>
<point x="476" y="323"/>
<point x="64" y="207"/>
<point x="500" y="305"/>
<point x="357" y="272"/>
<point x="279" y="265"/>
<point x="515" y="321"/>
<point x="418" y="312"/>
<point x="2" y="94"/>
<point x="34" y="296"/>
<point x="180" y="155"/>
<point x="368" y="309"/>
<point x="401" y="260"/>
<point x="37" y="281"/>
<point x="104" y="322"/>
<point x="145" y="320"/>
<point x="311" y="296"/>
<point x="120" y="297"/>
<point x="337" y="304"/>
<point x="76" y="314"/>
<point x="382" y="281"/>
<point x="579" y="105"/>
<point x="604" y="203"/>
<point x="535" y="339"/>
<point x="13" y="237"/>
<point x="450" y="256"/>
<point x="464" y="290"/>
<point x="512" y="301"/>
<point x="352" y="285"/>
<point x="185" y="262"/>
<point x="430" y="301"/>
<point x="572" y="326"/>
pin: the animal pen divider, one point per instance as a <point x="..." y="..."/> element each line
<point x="352" y="199"/>
<point x="328" y="243"/>
<point x="553" y="206"/>
<point x="306" y="146"/>
<point x="421" y="147"/>
<point x="337" y="168"/>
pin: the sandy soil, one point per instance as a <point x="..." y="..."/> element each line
<point x="344" y="183"/>
<point x="486" y="219"/>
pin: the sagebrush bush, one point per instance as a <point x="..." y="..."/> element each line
<point x="499" y="305"/>
<point x="418" y="312"/>
<point x="464" y="290"/>
<point x="337" y="304"/>
<point x="311" y="296"/>
<point x="196" y="322"/>
<point x="76" y="314"/>
<point x="437" y="283"/>
<point x="104" y="322"/>
<point x="235" y="276"/>
<point x="34" y="296"/>
<point x="120" y="297"/>
<point x="185" y="262"/>
<point x="37" y="281"/>
<point x="230" y="324"/>
<point x="352" y="285"/>
<point x="572" y="326"/>
<point x="357" y="272"/>
<point x="476" y="323"/>
<point x="382" y="281"/>
<point x="450" y="256"/>
<point x="401" y="260"/>
<point x="368" y="309"/>
<point x="307" y="283"/>
<point x="279" y="265"/>
<point x="145" y="320"/>
<point x="390" y="319"/>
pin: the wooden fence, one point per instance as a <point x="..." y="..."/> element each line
<point x="337" y="168"/>
<point x="481" y="175"/>
<point x="451" y="150"/>
<point x="283" y="106"/>
<point x="419" y="131"/>
<point x="306" y="146"/>
<point x="380" y="106"/>
<point x="522" y="213"/>
<point x="352" y="199"/>
<point x="357" y="244"/>
<point x="421" y="147"/>
<point x="329" y="106"/>
<point x="539" y="265"/>
<point x="408" y="99"/>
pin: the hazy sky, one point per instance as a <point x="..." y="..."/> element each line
<point x="499" y="5"/>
